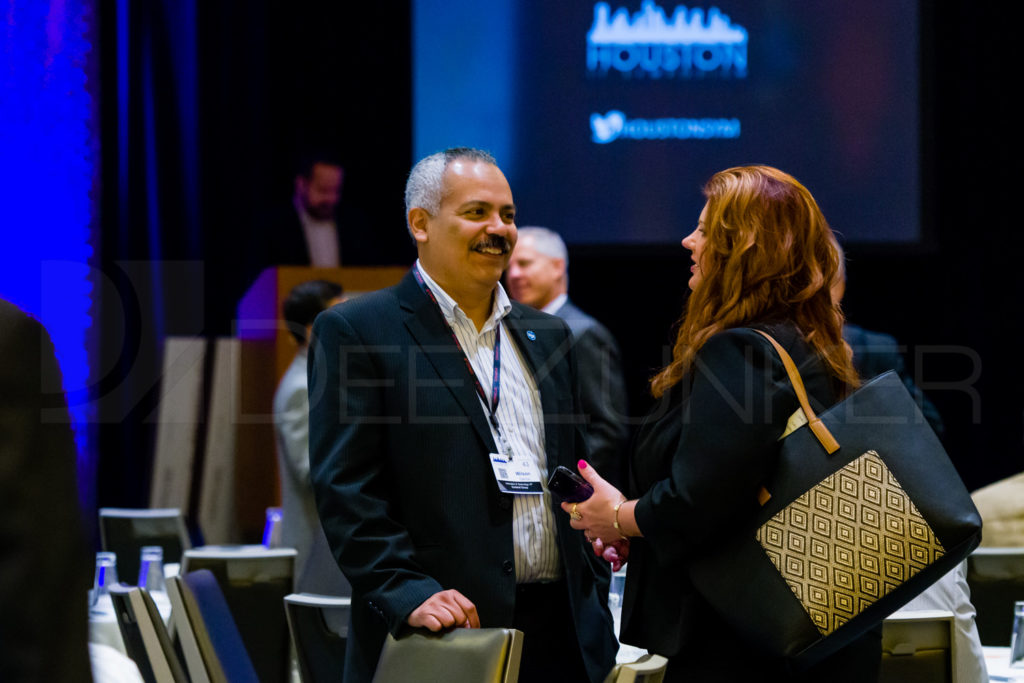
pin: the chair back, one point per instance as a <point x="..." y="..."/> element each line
<point x="254" y="581"/>
<point x="468" y="655"/>
<point x="145" y="636"/>
<point x="319" y="628"/>
<point x="996" y="579"/>
<point x="213" y="649"/>
<point x="124" y="531"/>
<point x="918" y="647"/>
<point x="647" y="669"/>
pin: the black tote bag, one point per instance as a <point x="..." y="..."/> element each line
<point x="865" y="512"/>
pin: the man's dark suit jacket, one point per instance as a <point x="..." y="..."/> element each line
<point x="875" y="353"/>
<point x="602" y="392"/>
<point x="399" y="449"/>
<point x="44" y="567"/>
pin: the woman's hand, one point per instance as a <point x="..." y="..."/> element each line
<point x="596" y="515"/>
<point x="616" y="554"/>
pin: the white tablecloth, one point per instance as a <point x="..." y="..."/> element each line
<point x="997" y="661"/>
<point x="111" y="666"/>
<point x="103" y="628"/>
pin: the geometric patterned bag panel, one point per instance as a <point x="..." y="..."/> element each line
<point x="849" y="541"/>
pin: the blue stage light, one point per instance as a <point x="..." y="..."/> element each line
<point x="48" y="167"/>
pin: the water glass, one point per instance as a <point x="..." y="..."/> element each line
<point x="272" y="528"/>
<point x="151" y="569"/>
<point x="1017" y="639"/>
<point x="615" y="597"/>
<point x="106" y="576"/>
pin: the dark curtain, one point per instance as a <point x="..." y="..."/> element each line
<point x="204" y="108"/>
<point x="151" y="244"/>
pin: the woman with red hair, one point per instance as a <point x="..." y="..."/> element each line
<point x="763" y="259"/>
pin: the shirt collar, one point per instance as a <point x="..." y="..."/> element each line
<point x="555" y="304"/>
<point x="502" y="305"/>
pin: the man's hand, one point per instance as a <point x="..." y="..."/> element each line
<point x="444" y="610"/>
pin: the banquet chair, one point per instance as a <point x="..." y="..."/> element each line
<point x="319" y="628"/>
<point x="467" y="655"/>
<point x="254" y="581"/>
<point x="124" y="531"/>
<point x="996" y="579"/>
<point x="918" y="647"/>
<point x="213" y="649"/>
<point x="145" y="637"/>
<point x="647" y="669"/>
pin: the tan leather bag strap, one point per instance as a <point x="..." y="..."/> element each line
<point x="819" y="429"/>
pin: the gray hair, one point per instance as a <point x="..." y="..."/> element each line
<point x="425" y="187"/>
<point x="547" y="242"/>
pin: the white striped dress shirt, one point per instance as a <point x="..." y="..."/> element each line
<point x="521" y="420"/>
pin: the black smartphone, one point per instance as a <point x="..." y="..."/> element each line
<point x="569" y="486"/>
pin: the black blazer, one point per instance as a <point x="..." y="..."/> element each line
<point x="698" y="464"/>
<point x="404" y="487"/>
<point x="44" y="568"/>
<point x="602" y="392"/>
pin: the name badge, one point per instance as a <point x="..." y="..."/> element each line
<point x="518" y="476"/>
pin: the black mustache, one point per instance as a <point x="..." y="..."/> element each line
<point x="495" y="242"/>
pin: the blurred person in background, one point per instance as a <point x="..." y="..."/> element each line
<point x="300" y="525"/>
<point x="44" y="565"/>
<point x="538" y="276"/>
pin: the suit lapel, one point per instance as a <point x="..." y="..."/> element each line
<point x="427" y="326"/>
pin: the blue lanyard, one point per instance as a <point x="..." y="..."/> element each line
<point x="496" y="375"/>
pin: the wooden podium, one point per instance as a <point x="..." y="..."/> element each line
<point x="266" y="348"/>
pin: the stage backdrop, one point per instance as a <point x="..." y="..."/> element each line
<point x="608" y="117"/>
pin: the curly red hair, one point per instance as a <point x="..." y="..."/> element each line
<point x="769" y="256"/>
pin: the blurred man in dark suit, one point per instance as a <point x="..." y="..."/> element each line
<point x="44" y="567"/>
<point x="310" y="233"/>
<point x="317" y="228"/>
<point x="538" y="276"/>
<point x="877" y="352"/>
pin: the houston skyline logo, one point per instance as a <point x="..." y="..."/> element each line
<point x="648" y="44"/>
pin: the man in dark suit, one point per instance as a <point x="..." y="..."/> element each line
<point x="44" y="567"/>
<point x="438" y="408"/>
<point x="877" y="352"/>
<point x="311" y="232"/>
<point x="538" y="276"/>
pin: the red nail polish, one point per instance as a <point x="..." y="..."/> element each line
<point x="582" y="464"/>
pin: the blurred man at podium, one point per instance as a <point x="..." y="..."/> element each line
<point x="314" y="228"/>
<point x="309" y="232"/>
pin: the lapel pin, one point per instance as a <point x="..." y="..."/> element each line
<point x="531" y="335"/>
